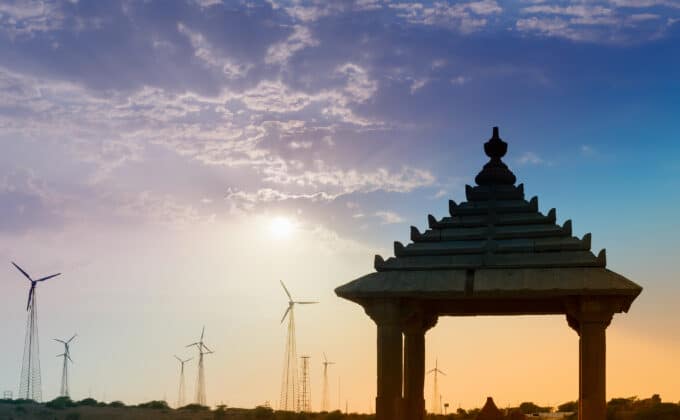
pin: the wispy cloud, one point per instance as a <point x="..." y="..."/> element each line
<point x="388" y="217"/>
<point x="207" y="53"/>
<point x="530" y="158"/>
<point x="281" y="52"/>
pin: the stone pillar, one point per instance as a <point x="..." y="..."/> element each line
<point x="388" y="402"/>
<point x="414" y="364"/>
<point x="590" y="319"/>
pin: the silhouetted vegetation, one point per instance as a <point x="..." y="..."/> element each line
<point x="64" y="408"/>
<point x="60" y="403"/>
<point x="196" y="407"/>
<point x="88" y="402"/>
<point x="156" y="405"/>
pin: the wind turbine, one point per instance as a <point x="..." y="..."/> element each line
<point x="29" y="383"/>
<point x="181" y="395"/>
<point x="436" y="399"/>
<point x="324" y="402"/>
<point x="288" y="400"/>
<point x="200" y="382"/>
<point x="63" y="392"/>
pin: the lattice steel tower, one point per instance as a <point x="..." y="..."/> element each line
<point x="63" y="391"/>
<point x="30" y="387"/>
<point x="436" y="398"/>
<point x="305" y="397"/>
<point x="181" y="395"/>
<point x="200" y="380"/>
<point x="325" y="403"/>
<point x="289" y="389"/>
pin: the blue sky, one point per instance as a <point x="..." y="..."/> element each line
<point x="129" y="128"/>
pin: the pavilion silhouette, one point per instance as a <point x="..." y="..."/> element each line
<point x="495" y="255"/>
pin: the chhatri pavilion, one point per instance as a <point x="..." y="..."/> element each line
<point x="496" y="254"/>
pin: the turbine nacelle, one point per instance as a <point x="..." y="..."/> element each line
<point x="31" y="292"/>
<point x="67" y="349"/>
<point x="292" y="303"/>
<point x="325" y="361"/>
<point x="202" y="348"/>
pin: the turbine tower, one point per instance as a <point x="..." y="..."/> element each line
<point x="325" y="403"/>
<point x="181" y="396"/>
<point x="29" y="383"/>
<point x="200" y="381"/>
<point x="63" y="391"/>
<point x="305" y="399"/>
<point x="288" y="400"/>
<point x="436" y="409"/>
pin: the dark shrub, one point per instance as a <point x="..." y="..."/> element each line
<point x="90" y="402"/>
<point x="262" y="412"/>
<point x="117" y="404"/>
<point x="195" y="407"/>
<point x="156" y="405"/>
<point x="60" y="403"/>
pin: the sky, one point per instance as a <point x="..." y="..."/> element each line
<point x="175" y="160"/>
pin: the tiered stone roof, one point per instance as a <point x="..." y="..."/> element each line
<point x="496" y="244"/>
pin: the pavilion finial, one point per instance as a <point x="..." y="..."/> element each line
<point x="495" y="172"/>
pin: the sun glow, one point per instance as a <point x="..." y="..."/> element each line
<point x="281" y="227"/>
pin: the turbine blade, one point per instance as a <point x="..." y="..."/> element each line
<point x="22" y="271"/>
<point x="325" y="359"/>
<point x="180" y="360"/>
<point x="284" y="288"/>
<point x="305" y="302"/>
<point x="71" y="339"/>
<point x="192" y="344"/>
<point x="49" y="277"/>
<point x="191" y="358"/>
<point x="206" y="347"/>
<point x="56" y="339"/>
<point x="283" y="318"/>
<point x="441" y="372"/>
<point x="69" y="358"/>
<point x="202" y="332"/>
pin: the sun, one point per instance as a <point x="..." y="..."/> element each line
<point x="281" y="227"/>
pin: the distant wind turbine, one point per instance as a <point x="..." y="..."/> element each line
<point x="288" y="401"/>
<point x="182" y="393"/>
<point x="29" y="384"/>
<point x="64" y="392"/>
<point x="325" y="404"/>
<point x="436" y="398"/>
<point x="200" y="382"/>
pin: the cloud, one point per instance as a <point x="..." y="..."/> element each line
<point x="268" y="195"/>
<point x="388" y="217"/>
<point x="205" y="52"/>
<point x="611" y="22"/>
<point x="530" y="158"/>
<point x="27" y="202"/>
<point x="418" y="84"/>
<point x="439" y="194"/>
<point x="275" y="96"/>
<point x="281" y="52"/>
<point x="464" y="17"/>
<point x="28" y="17"/>
<point x="460" y="80"/>
<point x="300" y="145"/>
<point x="360" y="87"/>
<point x="350" y="181"/>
